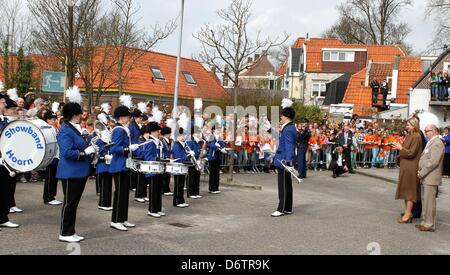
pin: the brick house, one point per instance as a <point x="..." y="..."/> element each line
<point x="318" y="69"/>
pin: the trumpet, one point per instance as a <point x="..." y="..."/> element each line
<point x="197" y="163"/>
<point x="291" y="170"/>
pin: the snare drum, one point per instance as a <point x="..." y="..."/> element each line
<point x="151" y="167"/>
<point x="28" y="145"/>
<point x="177" y="169"/>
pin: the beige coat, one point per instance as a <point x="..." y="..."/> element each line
<point x="431" y="163"/>
<point x="408" y="188"/>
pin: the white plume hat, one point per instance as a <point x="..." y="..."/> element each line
<point x="74" y="95"/>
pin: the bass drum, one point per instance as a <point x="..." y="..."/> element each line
<point x="28" y="145"/>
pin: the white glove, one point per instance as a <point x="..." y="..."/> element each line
<point x="192" y="153"/>
<point x="224" y="151"/>
<point x="218" y="145"/>
<point x="134" y="147"/>
<point x="108" y="157"/>
<point x="90" y="150"/>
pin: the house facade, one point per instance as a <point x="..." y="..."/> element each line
<point x="316" y="63"/>
<point x="260" y="74"/>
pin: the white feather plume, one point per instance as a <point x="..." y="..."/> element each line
<point x="12" y="93"/>
<point x="2" y="86"/>
<point x="287" y="103"/>
<point x="157" y="114"/>
<point x="198" y="104"/>
<point x="183" y="122"/>
<point x="142" y="106"/>
<point x="106" y="107"/>
<point x="102" y="117"/>
<point x="55" y="107"/>
<point x="199" y="122"/>
<point x="74" y="95"/>
<point x="126" y="101"/>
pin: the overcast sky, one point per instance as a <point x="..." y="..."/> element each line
<point x="296" y="17"/>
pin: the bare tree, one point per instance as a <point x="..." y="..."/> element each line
<point x="126" y="37"/>
<point x="14" y="35"/>
<point x="229" y="45"/>
<point x="371" y="22"/>
<point x="439" y="10"/>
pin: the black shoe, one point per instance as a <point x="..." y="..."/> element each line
<point x="352" y="172"/>
<point x="334" y="176"/>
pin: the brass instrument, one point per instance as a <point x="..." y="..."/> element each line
<point x="197" y="163"/>
<point x="291" y="170"/>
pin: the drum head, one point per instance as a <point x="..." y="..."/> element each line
<point x="22" y="145"/>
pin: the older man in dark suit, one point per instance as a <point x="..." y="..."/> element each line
<point x="345" y="140"/>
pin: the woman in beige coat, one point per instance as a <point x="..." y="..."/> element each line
<point x="408" y="188"/>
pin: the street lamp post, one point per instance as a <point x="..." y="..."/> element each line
<point x="69" y="54"/>
<point x="177" y="79"/>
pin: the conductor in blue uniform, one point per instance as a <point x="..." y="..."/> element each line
<point x="285" y="154"/>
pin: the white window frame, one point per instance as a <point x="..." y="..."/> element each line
<point x="335" y="56"/>
<point x="446" y="67"/>
<point x="322" y="85"/>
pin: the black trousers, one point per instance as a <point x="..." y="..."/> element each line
<point x="104" y="182"/>
<point x="166" y="183"/>
<point x="193" y="182"/>
<point x="141" y="187"/>
<point x="121" y="197"/>
<point x="12" y="193"/>
<point x="178" y="193"/>
<point x="156" y="184"/>
<point x="285" y="192"/>
<point x="134" y="175"/>
<point x="446" y="171"/>
<point x="73" y="190"/>
<point x="214" y="175"/>
<point x="51" y="183"/>
<point x="6" y="188"/>
<point x="348" y="159"/>
<point x="337" y="170"/>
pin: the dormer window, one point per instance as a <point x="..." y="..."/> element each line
<point x="189" y="78"/>
<point x="338" y="56"/>
<point x="157" y="73"/>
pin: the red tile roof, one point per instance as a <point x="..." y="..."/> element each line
<point x="140" y="79"/>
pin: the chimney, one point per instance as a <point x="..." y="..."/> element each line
<point x="250" y="60"/>
<point x="225" y="81"/>
<point x="394" y="87"/>
<point x="257" y="55"/>
<point x="214" y="70"/>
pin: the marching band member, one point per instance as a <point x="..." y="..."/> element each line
<point x="7" y="181"/>
<point x="153" y="151"/>
<point x="103" y="176"/>
<point x="166" y="133"/>
<point x="74" y="165"/>
<point x="216" y="147"/>
<point x="134" y="126"/>
<point x="195" y="146"/>
<point x="285" y="155"/>
<point x="51" y="182"/>
<point x="120" y="150"/>
<point x="141" y="184"/>
<point x="11" y="115"/>
<point x="179" y="153"/>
